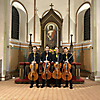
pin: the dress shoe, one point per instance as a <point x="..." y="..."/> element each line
<point x="59" y="86"/>
<point x="55" y="85"/>
<point x="65" y="86"/>
<point x="48" y="85"/>
<point x="37" y="86"/>
<point x="71" y="87"/>
<point x="31" y="86"/>
<point x="42" y="86"/>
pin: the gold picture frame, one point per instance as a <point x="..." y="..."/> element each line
<point x="46" y="30"/>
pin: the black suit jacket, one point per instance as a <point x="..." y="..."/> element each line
<point x="56" y="59"/>
<point x="31" y="58"/>
<point x="43" y="56"/>
<point x="70" y="60"/>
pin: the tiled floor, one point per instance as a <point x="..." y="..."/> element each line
<point x="90" y="90"/>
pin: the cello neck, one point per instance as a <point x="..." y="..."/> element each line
<point x="66" y="65"/>
<point x="58" y="61"/>
<point x="46" y="62"/>
<point x="46" y="65"/>
<point x="34" y="60"/>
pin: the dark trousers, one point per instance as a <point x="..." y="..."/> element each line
<point x="70" y="80"/>
<point x="43" y="82"/>
<point x="70" y="83"/>
<point x="37" y="82"/>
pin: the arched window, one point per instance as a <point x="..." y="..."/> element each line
<point x="15" y="24"/>
<point x="87" y="25"/>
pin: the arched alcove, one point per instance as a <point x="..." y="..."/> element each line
<point x="81" y="23"/>
<point x="82" y="8"/>
<point x="23" y="20"/>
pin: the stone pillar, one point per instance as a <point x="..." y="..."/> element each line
<point x="93" y="37"/>
<point x="7" y="39"/>
<point x="21" y="72"/>
<point x="30" y="45"/>
<point x="95" y="55"/>
<point x="71" y="46"/>
<point x="4" y="36"/>
<point x="97" y="77"/>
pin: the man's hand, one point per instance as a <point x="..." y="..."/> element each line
<point x="66" y="62"/>
<point x="46" y="61"/>
<point x="56" y="63"/>
<point x="33" y="62"/>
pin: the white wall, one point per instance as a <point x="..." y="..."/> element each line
<point x="22" y="25"/>
<point x="31" y="29"/>
<point x="29" y="5"/>
<point x="65" y="30"/>
<point x="80" y="26"/>
<point x="72" y="19"/>
<point x="60" y="5"/>
<point x="37" y="29"/>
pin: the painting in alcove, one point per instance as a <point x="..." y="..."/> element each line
<point x="51" y="35"/>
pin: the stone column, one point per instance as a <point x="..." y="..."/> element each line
<point x="97" y="77"/>
<point x="93" y="37"/>
<point x="30" y="45"/>
<point x="95" y="55"/>
<point x="4" y="36"/>
<point x="71" y="46"/>
<point x="7" y="39"/>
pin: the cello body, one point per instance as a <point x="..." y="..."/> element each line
<point x="57" y="73"/>
<point x="33" y="72"/>
<point x="46" y="74"/>
<point x="66" y="75"/>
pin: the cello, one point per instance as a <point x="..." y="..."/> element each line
<point x="66" y="75"/>
<point x="33" y="75"/>
<point x="57" y="73"/>
<point x="46" y="75"/>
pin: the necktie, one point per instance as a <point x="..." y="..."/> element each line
<point x="66" y="55"/>
<point x="56" y="55"/>
<point x="34" y="54"/>
<point x="46" y="54"/>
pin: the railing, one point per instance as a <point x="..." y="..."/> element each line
<point x="25" y="69"/>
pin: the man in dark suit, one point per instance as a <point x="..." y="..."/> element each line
<point x="57" y="58"/>
<point x="66" y="57"/>
<point x="34" y="57"/>
<point x="48" y="55"/>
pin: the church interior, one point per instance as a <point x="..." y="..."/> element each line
<point x="26" y="23"/>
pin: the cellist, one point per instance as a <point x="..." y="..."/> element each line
<point x="48" y="55"/>
<point x="55" y="58"/>
<point x="37" y="60"/>
<point x="67" y="55"/>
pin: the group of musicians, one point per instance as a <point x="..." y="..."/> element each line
<point x="47" y="57"/>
